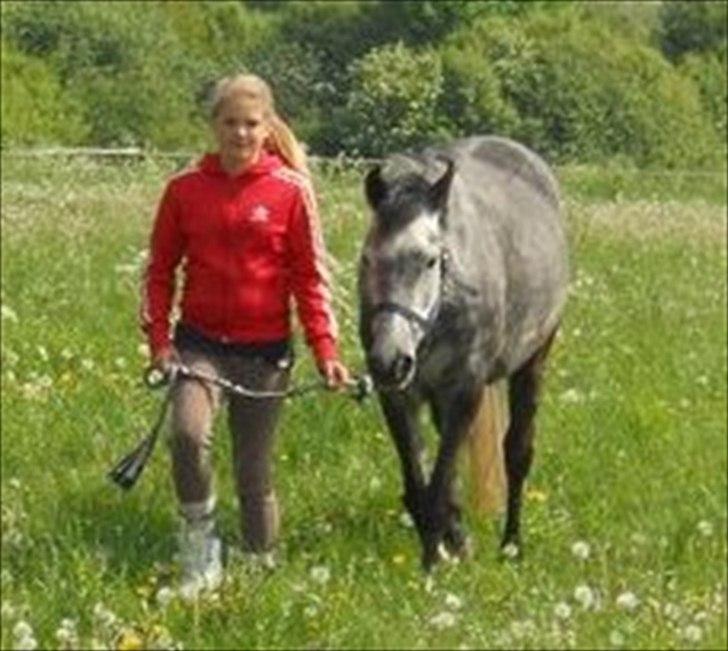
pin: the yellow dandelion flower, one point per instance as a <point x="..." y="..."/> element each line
<point x="536" y="495"/>
<point x="398" y="559"/>
<point x="129" y="640"/>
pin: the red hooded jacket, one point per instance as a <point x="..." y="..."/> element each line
<point x="249" y="242"/>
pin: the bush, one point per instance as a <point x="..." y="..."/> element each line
<point x="691" y="27"/>
<point x="551" y="81"/>
<point x="393" y="101"/>
<point x="35" y="108"/>
<point x="708" y="72"/>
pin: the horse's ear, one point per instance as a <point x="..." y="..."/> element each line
<point x="374" y="186"/>
<point x="440" y="190"/>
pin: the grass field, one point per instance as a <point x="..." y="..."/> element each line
<point x="625" y="516"/>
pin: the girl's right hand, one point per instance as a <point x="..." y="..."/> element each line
<point x="166" y="359"/>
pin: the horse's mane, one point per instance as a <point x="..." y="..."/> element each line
<point x="407" y="183"/>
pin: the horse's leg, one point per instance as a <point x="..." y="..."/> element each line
<point x="523" y="393"/>
<point x="454" y="416"/>
<point x="455" y="538"/>
<point x="403" y="426"/>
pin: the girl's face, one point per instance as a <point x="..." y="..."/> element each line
<point x="240" y="129"/>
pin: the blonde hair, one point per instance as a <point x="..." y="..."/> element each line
<point x="282" y="140"/>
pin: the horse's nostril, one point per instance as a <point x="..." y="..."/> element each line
<point x="377" y="366"/>
<point x="402" y="367"/>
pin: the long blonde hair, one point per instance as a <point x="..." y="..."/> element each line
<point x="282" y="140"/>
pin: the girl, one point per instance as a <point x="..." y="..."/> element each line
<point x="244" y="220"/>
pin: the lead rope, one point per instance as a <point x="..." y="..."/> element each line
<point x="128" y="469"/>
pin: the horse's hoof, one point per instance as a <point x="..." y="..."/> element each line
<point x="459" y="544"/>
<point x="431" y="555"/>
<point x="463" y="550"/>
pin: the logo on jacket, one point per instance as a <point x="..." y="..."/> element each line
<point x="259" y="214"/>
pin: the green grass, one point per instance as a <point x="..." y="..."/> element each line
<point x="631" y="452"/>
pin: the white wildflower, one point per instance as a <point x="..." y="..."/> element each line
<point x="405" y="519"/>
<point x="87" y="364"/>
<point x="671" y="611"/>
<point x="571" y="396"/>
<point x="584" y="595"/>
<point x="23" y="637"/>
<point x="453" y="601"/>
<point x="705" y="528"/>
<point x="562" y="610"/>
<point x="164" y="596"/>
<point x="581" y="550"/>
<point x="143" y="350"/>
<point x="22" y="629"/>
<point x="120" y="362"/>
<point x="320" y="574"/>
<point x="8" y="314"/>
<point x="310" y="611"/>
<point x="443" y="620"/>
<point x="510" y="550"/>
<point x="103" y="616"/>
<point x="8" y="610"/>
<point x="627" y="601"/>
<point x="26" y="644"/>
<point x="43" y="353"/>
<point x="66" y="354"/>
<point x="616" y="638"/>
<point x="66" y="635"/>
<point x="692" y="633"/>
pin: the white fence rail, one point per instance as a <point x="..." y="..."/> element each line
<point x="139" y="153"/>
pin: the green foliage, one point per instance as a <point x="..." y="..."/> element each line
<point x="709" y="71"/>
<point x="692" y="26"/>
<point x="393" y="100"/>
<point x="577" y="81"/>
<point x="35" y="107"/>
<point x="549" y="81"/>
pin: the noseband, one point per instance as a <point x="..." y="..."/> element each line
<point x="424" y="322"/>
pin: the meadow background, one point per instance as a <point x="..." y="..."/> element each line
<point x="625" y="513"/>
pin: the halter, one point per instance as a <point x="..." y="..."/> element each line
<point x="424" y="322"/>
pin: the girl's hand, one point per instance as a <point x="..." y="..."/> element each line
<point x="166" y="359"/>
<point x="335" y="374"/>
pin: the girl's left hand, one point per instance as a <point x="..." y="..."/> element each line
<point x="335" y="374"/>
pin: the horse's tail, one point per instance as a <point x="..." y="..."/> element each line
<point x="485" y="441"/>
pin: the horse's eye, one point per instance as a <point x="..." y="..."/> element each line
<point x="431" y="263"/>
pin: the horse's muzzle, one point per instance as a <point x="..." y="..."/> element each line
<point x="395" y="373"/>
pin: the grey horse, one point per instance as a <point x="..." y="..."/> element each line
<point x="462" y="285"/>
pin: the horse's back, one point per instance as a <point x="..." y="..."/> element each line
<point x="506" y="205"/>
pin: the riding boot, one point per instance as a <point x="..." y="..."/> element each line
<point x="260" y="521"/>
<point x="200" y="549"/>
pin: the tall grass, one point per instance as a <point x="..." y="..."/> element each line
<point x="625" y="512"/>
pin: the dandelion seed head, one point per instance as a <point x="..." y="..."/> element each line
<point x="692" y="633"/>
<point x="584" y="595"/>
<point x="8" y="314"/>
<point x="443" y="620"/>
<point x="453" y="602"/>
<point x="22" y="629"/>
<point x="705" y="528"/>
<point x="320" y="574"/>
<point x="510" y="550"/>
<point x="616" y="638"/>
<point x="164" y="596"/>
<point x="581" y="550"/>
<point x="627" y="601"/>
<point x="562" y="610"/>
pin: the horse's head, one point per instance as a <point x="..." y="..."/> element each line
<point x="401" y="269"/>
